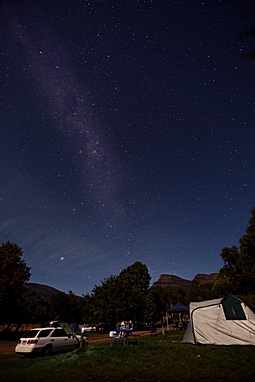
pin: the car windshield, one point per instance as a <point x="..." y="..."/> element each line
<point x="30" y="334"/>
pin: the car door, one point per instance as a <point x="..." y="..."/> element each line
<point x="59" y="340"/>
<point x="44" y="337"/>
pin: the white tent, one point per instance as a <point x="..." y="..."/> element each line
<point x="222" y="321"/>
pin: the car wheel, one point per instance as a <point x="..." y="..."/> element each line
<point x="47" y="350"/>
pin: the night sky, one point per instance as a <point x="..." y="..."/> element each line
<point x="127" y="134"/>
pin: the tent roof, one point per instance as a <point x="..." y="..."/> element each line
<point x="178" y="308"/>
<point x="231" y="306"/>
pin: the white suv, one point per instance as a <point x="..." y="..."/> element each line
<point x="48" y="340"/>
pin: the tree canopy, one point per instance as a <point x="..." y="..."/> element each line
<point x="237" y="276"/>
<point x="14" y="273"/>
<point x="120" y="297"/>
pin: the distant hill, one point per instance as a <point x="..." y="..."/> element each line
<point x="203" y="278"/>
<point x="164" y="281"/>
<point x="177" y="282"/>
<point x="45" y="291"/>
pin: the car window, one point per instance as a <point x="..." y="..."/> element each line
<point x="30" y="334"/>
<point x="59" y="333"/>
<point x="44" y="333"/>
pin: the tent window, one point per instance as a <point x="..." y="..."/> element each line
<point x="232" y="308"/>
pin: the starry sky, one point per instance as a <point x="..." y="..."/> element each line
<point x="127" y="134"/>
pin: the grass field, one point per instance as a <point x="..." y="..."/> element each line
<point x="157" y="358"/>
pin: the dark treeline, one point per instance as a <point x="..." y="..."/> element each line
<point x="127" y="296"/>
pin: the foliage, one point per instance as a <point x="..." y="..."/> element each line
<point x="200" y="291"/>
<point x="151" y="310"/>
<point x="75" y="307"/>
<point x="121" y="297"/>
<point x="180" y="295"/>
<point x="167" y="298"/>
<point x="238" y="273"/>
<point x="35" y="308"/>
<point x="247" y="34"/>
<point x="14" y="273"/>
<point x="59" y="307"/>
<point x="65" y="307"/>
<point x="104" y="305"/>
<point x="134" y="283"/>
<point x="160" y="299"/>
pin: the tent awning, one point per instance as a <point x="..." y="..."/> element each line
<point x="178" y="308"/>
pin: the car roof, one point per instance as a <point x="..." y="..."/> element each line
<point x="47" y="327"/>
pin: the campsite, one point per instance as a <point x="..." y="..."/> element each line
<point x="217" y="344"/>
<point x="210" y="340"/>
<point x="158" y="357"/>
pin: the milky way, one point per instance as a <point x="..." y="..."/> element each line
<point x="70" y="107"/>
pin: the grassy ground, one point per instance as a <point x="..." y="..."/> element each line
<point x="157" y="358"/>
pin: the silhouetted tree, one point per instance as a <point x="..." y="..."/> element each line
<point x="35" y="309"/>
<point x="200" y="291"/>
<point x="134" y="286"/>
<point x="60" y="308"/>
<point x="14" y="273"/>
<point x="121" y="297"/>
<point x="151" y="310"/>
<point x="237" y="276"/>
<point x="248" y="34"/>
<point x="105" y="304"/>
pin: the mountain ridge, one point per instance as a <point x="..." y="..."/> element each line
<point x="45" y="291"/>
<point x="165" y="280"/>
<point x="176" y="282"/>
